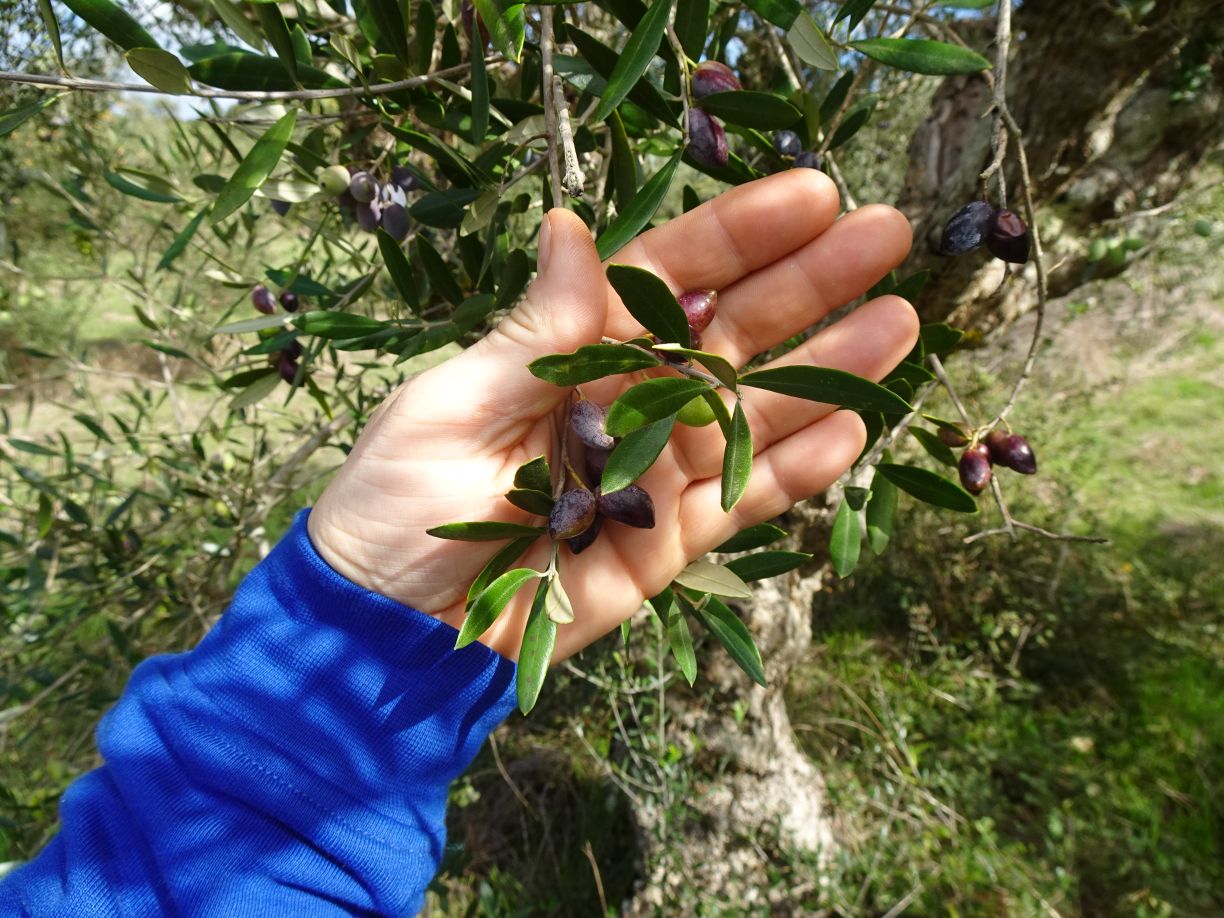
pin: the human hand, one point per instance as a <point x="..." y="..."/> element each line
<point x="445" y="445"/>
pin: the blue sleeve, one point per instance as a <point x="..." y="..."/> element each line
<point x="296" y="762"/>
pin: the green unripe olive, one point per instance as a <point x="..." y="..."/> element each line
<point x="696" y="413"/>
<point x="334" y="180"/>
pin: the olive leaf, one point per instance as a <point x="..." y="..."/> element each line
<point x="490" y="603"/>
<point x="708" y="577"/>
<point x="649" y="401"/>
<point x="535" y="653"/>
<point x="593" y="361"/>
<point x="845" y="541"/>
<point x="649" y="300"/>
<point x="635" y="454"/>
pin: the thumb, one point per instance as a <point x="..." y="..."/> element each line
<point x="566" y="306"/>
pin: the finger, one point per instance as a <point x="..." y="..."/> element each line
<point x="732" y="235"/>
<point x="869" y="342"/>
<point x="789" y="471"/>
<point x="790" y="295"/>
<point x="565" y="308"/>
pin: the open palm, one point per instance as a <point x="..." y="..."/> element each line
<point x="444" y="447"/>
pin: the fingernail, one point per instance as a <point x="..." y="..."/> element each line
<point x="545" y="245"/>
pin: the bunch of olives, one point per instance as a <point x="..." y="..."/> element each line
<point x="1000" y="230"/>
<point x="286" y="359"/>
<point x="789" y="145"/>
<point x="998" y="447"/>
<point x="370" y="202"/>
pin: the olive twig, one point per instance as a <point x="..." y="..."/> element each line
<point x="550" y="112"/>
<point x="81" y="84"/>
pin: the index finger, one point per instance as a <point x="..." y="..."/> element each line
<point x="732" y="235"/>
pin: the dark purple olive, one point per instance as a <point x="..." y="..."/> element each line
<point x="395" y="221"/>
<point x="292" y="350"/>
<point x="787" y="143"/>
<point x="403" y="178"/>
<point x="631" y="506"/>
<point x="368" y="216"/>
<point x="262" y="299"/>
<point x="974" y="468"/>
<point x="1012" y="451"/>
<point x="950" y="436"/>
<point x="572" y="513"/>
<point x="581" y="542"/>
<point x="808" y="160"/>
<point x="281" y="207"/>
<point x="699" y="307"/>
<point x="1008" y="237"/>
<point x="290" y="301"/>
<point x="707" y="140"/>
<point x="966" y="228"/>
<point x="713" y="76"/>
<point x="596" y="461"/>
<point x="589" y="422"/>
<point x="363" y="188"/>
<point x="287" y="368"/>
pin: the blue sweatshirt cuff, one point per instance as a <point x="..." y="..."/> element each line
<point x="295" y="762"/>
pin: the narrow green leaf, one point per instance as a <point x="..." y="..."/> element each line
<point x="439" y="273"/>
<point x="537" y="502"/>
<point x="336" y="325"/>
<point x="649" y="300"/>
<point x="257" y="324"/>
<point x="933" y="445"/>
<point x="929" y="487"/>
<point x="718" y="365"/>
<point x="276" y="30"/>
<point x="761" y="110"/>
<point x="692" y="21"/>
<point x="852" y="122"/>
<point x="256" y="391"/>
<point x="179" y="245"/>
<point x="602" y="60"/>
<point x="938" y="338"/>
<point x="534" y="475"/>
<point x="114" y="22"/>
<point x="557" y="603"/>
<point x="909" y="288"/>
<point x="624" y="165"/>
<point x="514" y="274"/>
<point x="93" y="427"/>
<point x="854" y="10"/>
<point x="425" y="29"/>
<point x="845" y="541"/>
<point x="757" y="536"/>
<point x="255" y="168"/>
<point x="52" y="26"/>
<point x="737" y="459"/>
<point x="159" y="68"/>
<point x="535" y="653"/>
<point x="592" y="361"/>
<point x="708" y="577"/>
<point x="11" y="120"/>
<point x="498" y="565"/>
<point x="856" y="497"/>
<point x="505" y="21"/>
<point x="781" y="13"/>
<point x="483" y="531"/>
<point x="810" y="44"/>
<point x="629" y="222"/>
<point x="764" y="564"/>
<point x="649" y="401"/>
<point x="480" y="93"/>
<point x="733" y="634"/>
<point x="642" y="46"/>
<point x="128" y="187"/>
<point x="881" y="513"/>
<point x="388" y="17"/>
<point x="401" y="272"/>
<point x="633" y="455"/>
<point x="679" y="637"/>
<point x="242" y="70"/>
<point x="832" y="102"/>
<point x="238" y="24"/>
<point x="920" y="55"/>
<point x="823" y="384"/>
<point x="490" y="603"/>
